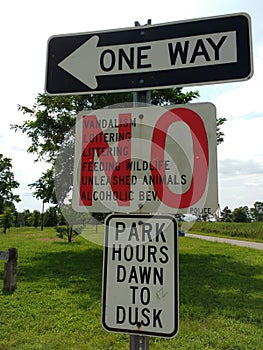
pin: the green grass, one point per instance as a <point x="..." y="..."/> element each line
<point x="252" y="231"/>
<point x="57" y="303"/>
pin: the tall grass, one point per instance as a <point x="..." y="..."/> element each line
<point x="252" y="230"/>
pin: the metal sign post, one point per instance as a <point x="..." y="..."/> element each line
<point x="138" y="342"/>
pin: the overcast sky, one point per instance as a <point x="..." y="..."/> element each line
<point x="25" y="29"/>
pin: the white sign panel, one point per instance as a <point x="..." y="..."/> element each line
<point x="140" y="277"/>
<point x="4" y="255"/>
<point x="148" y="159"/>
<point x="160" y="55"/>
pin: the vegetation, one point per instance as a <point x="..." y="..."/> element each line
<point x="257" y="212"/>
<point x="7" y="184"/>
<point x="57" y="304"/>
<point x="7" y="219"/>
<point x="66" y="231"/>
<point x="226" y="214"/>
<point x="243" y="214"/>
<point x="11" y="217"/>
<point x="249" y="231"/>
<point x="7" y="198"/>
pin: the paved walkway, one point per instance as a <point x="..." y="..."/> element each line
<point x="248" y="244"/>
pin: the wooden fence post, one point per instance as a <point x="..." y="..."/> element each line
<point x="10" y="270"/>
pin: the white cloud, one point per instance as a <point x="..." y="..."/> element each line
<point x="234" y="167"/>
<point x="237" y="191"/>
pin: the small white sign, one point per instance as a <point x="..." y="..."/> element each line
<point x="4" y="255"/>
<point x="140" y="275"/>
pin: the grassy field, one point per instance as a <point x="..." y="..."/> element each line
<point x="252" y="231"/>
<point x="57" y="303"/>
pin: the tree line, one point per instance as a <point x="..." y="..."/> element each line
<point x="53" y="217"/>
<point x="12" y="218"/>
<point x="243" y="214"/>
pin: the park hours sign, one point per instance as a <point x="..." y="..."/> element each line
<point x="147" y="159"/>
<point x="140" y="275"/>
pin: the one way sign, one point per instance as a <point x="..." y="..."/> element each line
<point x="202" y="51"/>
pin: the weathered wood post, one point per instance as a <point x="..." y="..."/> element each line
<point x="10" y="270"/>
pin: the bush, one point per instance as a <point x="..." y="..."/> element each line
<point x="66" y="231"/>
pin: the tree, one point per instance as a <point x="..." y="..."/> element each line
<point x="67" y="231"/>
<point x="51" y="217"/>
<point x="219" y="133"/>
<point x="241" y="214"/>
<point x="35" y="218"/>
<point x="257" y="211"/>
<point x="226" y="214"/>
<point x="26" y="217"/>
<point x="7" y="185"/>
<point x="20" y="219"/>
<point x="8" y="219"/>
<point x="44" y="187"/>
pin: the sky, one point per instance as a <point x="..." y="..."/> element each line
<point x="25" y="29"/>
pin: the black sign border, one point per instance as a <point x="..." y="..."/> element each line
<point x="176" y="271"/>
<point x="59" y="82"/>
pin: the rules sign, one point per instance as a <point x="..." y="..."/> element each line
<point x="140" y="275"/>
<point x="147" y="160"/>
